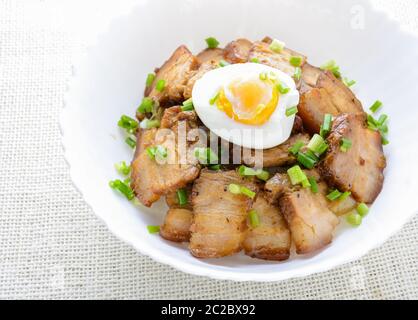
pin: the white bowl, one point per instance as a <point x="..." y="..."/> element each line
<point x="109" y="82"/>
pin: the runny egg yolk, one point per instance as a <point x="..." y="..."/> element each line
<point x="249" y="101"/>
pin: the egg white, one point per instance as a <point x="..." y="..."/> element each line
<point x="271" y="134"/>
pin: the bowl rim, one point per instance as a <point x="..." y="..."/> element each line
<point x="91" y="200"/>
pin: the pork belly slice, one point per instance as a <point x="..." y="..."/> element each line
<point x="271" y="239"/>
<point x="261" y="51"/>
<point x="277" y="156"/>
<point x="327" y="95"/>
<point x="280" y="184"/>
<point x="176" y="71"/>
<point x="151" y="178"/>
<point x="360" y="169"/>
<point x="177" y="222"/>
<point x="238" y="51"/>
<point x="219" y="221"/>
<point x="210" y="55"/>
<point x="143" y="169"/>
<point x="176" y="227"/>
<point x="310" y="222"/>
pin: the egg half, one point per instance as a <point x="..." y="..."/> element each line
<point x="242" y="103"/>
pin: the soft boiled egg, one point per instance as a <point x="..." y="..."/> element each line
<point x="246" y="104"/>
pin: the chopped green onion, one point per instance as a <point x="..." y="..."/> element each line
<point x="333" y="67"/>
<point x="206" y="155"/>
<point x="153" y="229"/>
<point x="254" y="219"/>
<point x="213" y="100"/>
<point x="123" y="188"/>
<point x="187" y="105"/>
<point x="306" y="184"/>
<point x="263" y="76"/>
<point x="148" y="124"/>
<point x="151" y="152"/>
<point x="250" y="172"/>
<point x="334" y="195"/>
<point x="362" y="209"/>
<point x="314" y="184"/>
<point x="349" y="83"/>
<point x="255" y="60"/>
<point x="272" y="76"/>
<point x="182" y="197"/>
<point x="123" y="168"/>
<point x="127" y="123"/>
<point x="161" y="152"/>
<point x="160" y="85"/>
<point x="237" y="189"/>
<point x="385" y="140"/>
<point x="296" y="175"/>
<point x="326" y="125"/>
<point x="234" y="188"/>
<point x="345" y="144"/>
<point x="282" y="88"/>
<point x="263" y="175"/>
<point x="296" y="61"/>
<point x="146" y="105"/>
<point x="150" y="79"/>
<point x="277" y="46"/>
<point x="291" y="111"/>
<point x="247" y="192"/>
<point x="223" y="63"/>
<point x="215" y="167"/>
<point x="344" y="196"/>
<point x="212" y="42"/>
<point x="354" y="219"/>
<point x="382" y="119"/>
<point x="296" y="147"/>
<point x="130" y="142"/>
<point x="298" y="73"/>
<point x="376" y="106"/>
<point x="307" y="161"/>
<point x="317" y="144"/>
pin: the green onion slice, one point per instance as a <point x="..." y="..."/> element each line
<point x="182" y="197"/>
<point x="123" y="168"/>
<point x="296" y="175"/>
<point x="307" y="161"/>
<point x="250" y="172"/>
<point x="345" y="144"/>
<point x="150" y="79"/>
<point x="223" y="63"/>
<point x="148" y="124"/>
<point x="277" y="46"/>
<point x="128" y="123"/>
<point x="298" y="73"/>
<point x="362" y="209"/>
<point x="317" y="145"/>
<point x="296" y="148"/>
<point x="255" y="60"/>
<point x="349" y="83"/>
<point x="153" y="229"/>
<point x="187" y="105"/>
<point x="296" y="61"/>
<point x="213" y="100"/>
<point x="254" y="219"/>
<point x="291" y="111"/>
<point x="160" y="85"/>
<point x="314" y="184"/>
<point x="282" y="88"/>
<point x="146" y="106"/>
<point x="354" y="219"/>
<point x="212" y="42"/>
<point x="130" y="142"/>
<point x="334" y="195"/>
<point x="376" y="106"/>
<point x="123" y="188"/>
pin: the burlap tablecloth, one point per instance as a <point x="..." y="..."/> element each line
<point x="51" y="243"/>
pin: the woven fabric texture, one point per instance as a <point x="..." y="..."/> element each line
<point x="51" y="243"/>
